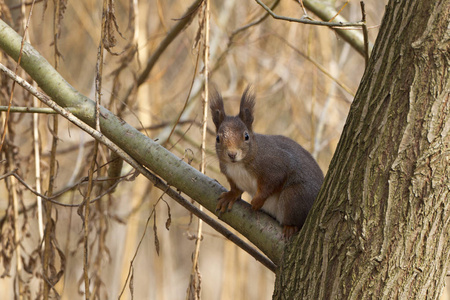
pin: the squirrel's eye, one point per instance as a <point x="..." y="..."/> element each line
<point x="217" y="139"/>
<point x="246" y="136"/>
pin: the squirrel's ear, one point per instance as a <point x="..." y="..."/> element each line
<point x="217" y="108"/>
<point x="247" y="106"/>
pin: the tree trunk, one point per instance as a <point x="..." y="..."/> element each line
<point x="380" y="226"/>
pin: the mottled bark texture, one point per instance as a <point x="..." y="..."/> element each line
<point x="381" y="224"/>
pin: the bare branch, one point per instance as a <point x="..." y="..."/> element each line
<point x="324" y="12"/>
<point x="33" y="110"/>
<point x="171" y="35"/>
<point x="307" y="20"/>
<point x="365" y="33"/>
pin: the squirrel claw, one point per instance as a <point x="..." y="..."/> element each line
<point x="220" y="208"/>
<point x="219" y="213"/>
<point x="225" y="203"/>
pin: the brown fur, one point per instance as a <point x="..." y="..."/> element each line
<point x="281" y="176"/>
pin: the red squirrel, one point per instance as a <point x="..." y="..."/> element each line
<point x="280" y="175"/>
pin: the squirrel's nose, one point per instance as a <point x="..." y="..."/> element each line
<point x="232" y="155"/>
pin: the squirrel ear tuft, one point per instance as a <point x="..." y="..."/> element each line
<point x="217" y="108"/>
<point x="247" y="107"/>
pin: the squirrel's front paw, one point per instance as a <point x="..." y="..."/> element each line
<point x="226" y="201"/>
<point x="257" y="203"/>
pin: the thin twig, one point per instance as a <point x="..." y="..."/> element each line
<point x="33" y="110"/>
<point x="308" y="21"/>
<point x="57" y="195"/>
<point x="303" y="7"/>
<point x="36" y="146"/>
<point x="15" y="206"/>
<point x="232" y="36"/>
<point x="25" y="3"/>
<point x="320" y="67"/>
<point x="85" y="218"/>
<point x="98" y="89"/>
<point x="195" y="283"/>
<point x="37" y="169"/>
<point x="365" y="33"/>
<point x="138" y="247"/>
<point x="339" y="12"/>
<point x="177" y="122"/>
<point x="49" y="228"/>
<point x="10" y="157"/>
<point x="170" y="37"/>
<point x="17" y="67"/>
<point x="245" y="27"/>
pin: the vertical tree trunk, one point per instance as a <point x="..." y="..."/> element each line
<point x="380" y="227"/>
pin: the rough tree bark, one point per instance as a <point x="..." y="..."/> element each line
<point x="380" y="227"/>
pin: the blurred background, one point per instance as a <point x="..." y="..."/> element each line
<point x="305" y="78"/>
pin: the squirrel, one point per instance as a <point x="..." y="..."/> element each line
<point x="280" y="175"/>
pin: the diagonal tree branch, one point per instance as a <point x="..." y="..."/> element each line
<point x="263" y="231"/>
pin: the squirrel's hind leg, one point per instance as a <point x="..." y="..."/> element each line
<point x="293" y="209"/>
<point x="289" y="230"/>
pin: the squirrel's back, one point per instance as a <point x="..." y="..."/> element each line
<point x="284" y="152"/>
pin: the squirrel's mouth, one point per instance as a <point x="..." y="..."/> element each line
<point x="235" y="160"/>
<point x="234" y="156"/>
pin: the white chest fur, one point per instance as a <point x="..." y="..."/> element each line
<point x="243" y="179"/>
<point x="247" y="182"/>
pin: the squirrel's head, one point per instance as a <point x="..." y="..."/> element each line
<point x="234" y="133"/>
